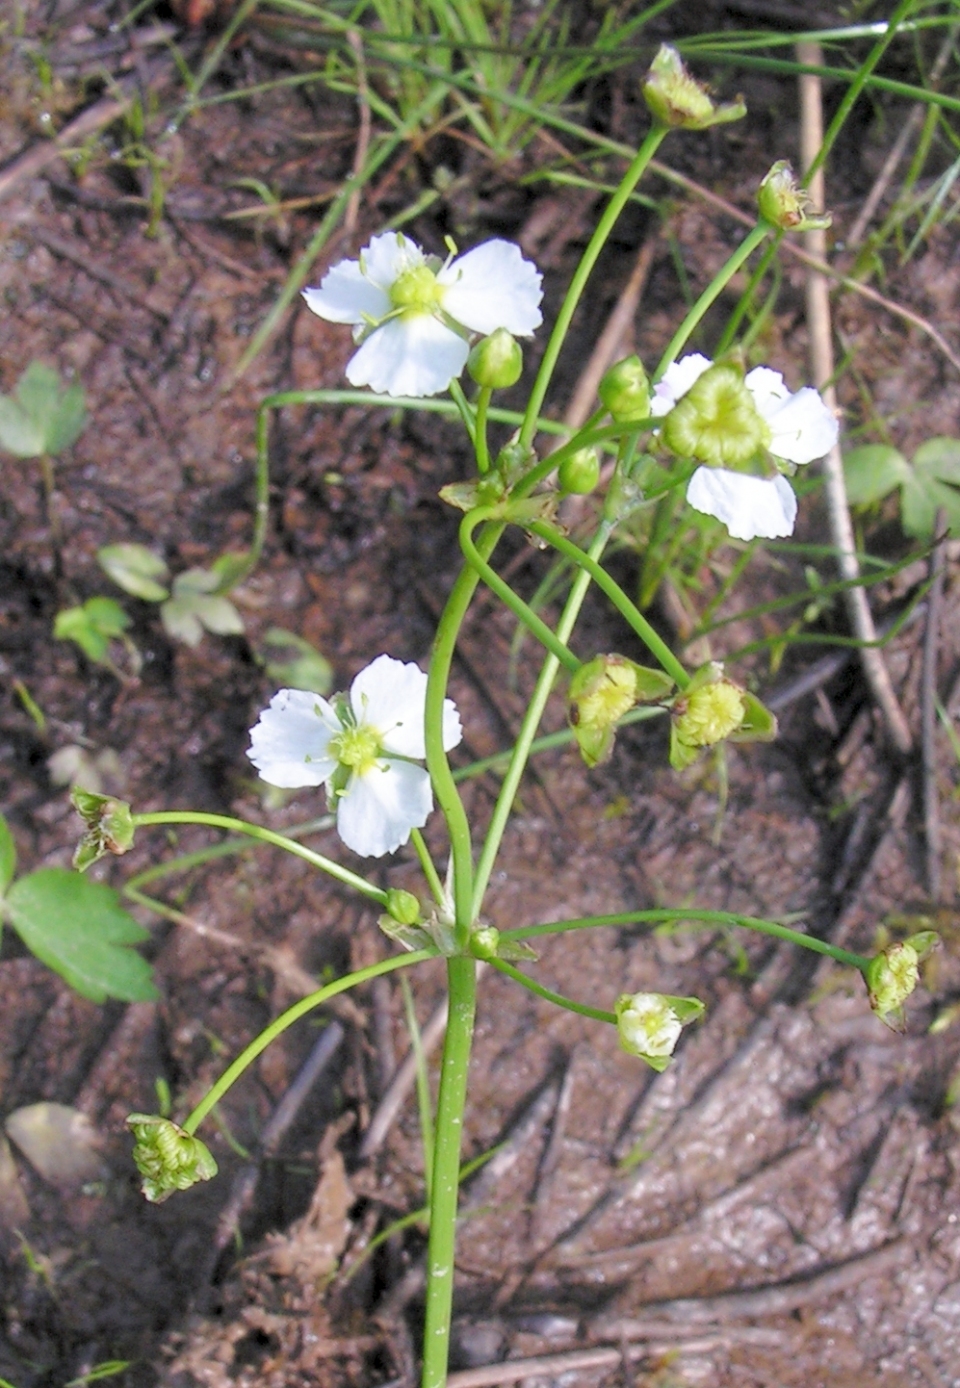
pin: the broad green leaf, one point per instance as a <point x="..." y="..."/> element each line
<point x="195" y="606"/>
<point x="922" y="496"/>
<point x="8" y="856"/>
<point x="940" y="457"/>
<point x="44" y="417"/>
<point x="304" y="668"/>
<point x="135" y="569"/>
<point x="92" y="627"/>
<point x="78" y="928"/>
<point x="872" y="471"/>
<point x="19" y="434"/>
<point x="229" y="569"/>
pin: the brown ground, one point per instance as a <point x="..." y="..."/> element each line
<point x="796" y="1162"/>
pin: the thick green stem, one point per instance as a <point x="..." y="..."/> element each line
<point x="286" y="1019"/>
<point x="582" y="273"/>
<point x="654" y="643"/>
<point x="712" y="292"/>
<point x="255" y="831"/>
<point x="441" y="1250"/>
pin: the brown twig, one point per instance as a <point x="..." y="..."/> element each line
<point x="821" y="354"/>
<point x="352" y="211"/>
<point x="928" y="708"/>
<point x="402" y="1083"/>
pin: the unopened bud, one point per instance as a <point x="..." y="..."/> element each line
<point x="496" y="362"/>
<point x="403" y="906"/>
<point x="717" y="421"/>
<point x="784" y="204"/>
<point x="625" y="390"/>
<point x="676" y="99"/>
<point x="168" y="1158"/>
<point x="485" y="942"/>
<point x="649" y="1024"/>
<point x="601" y="692"/>
<point x="579" y="472"/>
<point x="894" y="973"/>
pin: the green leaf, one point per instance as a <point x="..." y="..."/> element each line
<point x="92" y="627"/>
<point x="135" y="569"/>
<point x="195" y="606"/>
<point x="229" y="569"/>
<point x="77" y="928"/>
<point x="936" y="483"/>
<point x="940" y="457"/>
<point x="8" y="856"/>
<point x="872" y="471"/>
<point x="44" y="417"/>
<point x="305" y="668"/>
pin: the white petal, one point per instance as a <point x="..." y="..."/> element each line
<point x="347" y="296"/>
<point x="387" y="256"/>
<point x="289" y="744"/>
<point x="379" y="809"/>
<point x="801" y="427"/>
<point x="414" y="355"/>
<point x="390" y="696"/>
<point x="748" y="506"/>
<point x="767" y="387"/>
<point x="677" y="380"/>
<point x="493" y="287"/>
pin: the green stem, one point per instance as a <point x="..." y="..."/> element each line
<point x="465" y="410"/>
<point x="528" y="729"/>
<point x="441" y="1250"/>
<point x="286" y="1019"/>
<point x="255" y="831"/>
<point x="654" y="643"/>
<point x="597" y="1014"/>
<point x="712" y="292"/>
<point x="427" y="867"/>
<point x="746" y="298"/>
<point x="725" y="918"/>
<point x="480" y="435"/>
<point x="582" y="273"/>
<point x="534" y="624"/>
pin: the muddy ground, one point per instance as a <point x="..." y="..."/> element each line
<point x="781" y="1205"/>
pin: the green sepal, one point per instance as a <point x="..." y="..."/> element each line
<point x="759" y="724"/>
<point x="110" y="827"/>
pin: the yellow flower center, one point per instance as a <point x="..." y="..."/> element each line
<point x="357" y="749"/>
<point x="416" y="290"/>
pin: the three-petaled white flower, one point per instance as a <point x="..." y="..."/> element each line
<point x="801" y="429"/>
<point x="413" y="314"/>
<point x="362" y="747"/>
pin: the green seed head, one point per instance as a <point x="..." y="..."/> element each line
<point x="709" y="714"/>
<point x="717" y="422"/>
<point x="167" y="1158"/>
<point x="416" y="290"/>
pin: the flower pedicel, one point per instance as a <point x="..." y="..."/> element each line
<point x="413" y="314"/>
<point x="362" y="747"/>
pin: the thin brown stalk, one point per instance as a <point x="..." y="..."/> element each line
<point x="928" y="704"/>
<point x="363" y="135"/>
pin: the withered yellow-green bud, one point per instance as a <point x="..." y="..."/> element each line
<point x="496" y="362"/>
<point x="709" y="714"/>
<point x="678" y="100"/>
<point x="579" y="472"/>
<point x="109" y="827"/>
<point x="601" y="692"/>
<point x="649" y="1024"/>
<point x="784" y="204"/>
<point x="403" y="906"/>
<point x="717" y="422"/>
<point x="894" y="973"/>
<point x="168" y="1158"/>
<point x="625" y="391"/>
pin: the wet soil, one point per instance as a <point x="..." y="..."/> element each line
<point x="779" y="1207"/>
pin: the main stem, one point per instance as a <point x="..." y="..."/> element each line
<point x="462" y="984"/>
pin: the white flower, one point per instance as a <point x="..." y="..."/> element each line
<point x="361" y="748"/>
<point x="413" y="314"/>
<point x="801" y="430"/>
<point x="748" y="506"/>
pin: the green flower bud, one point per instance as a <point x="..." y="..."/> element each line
<point x="168" y="1158"/>
<point x="894" y="973"/>
<point x="625" y="390"/>
<point x="784" y="204"/>
<point x="403" y="906"/>
<point x="485" y="942"/>
<point x="601" y="692"/>
<point x="109" y="827"/>
<point x="496" y="361"/>
<point x="649" y="1024"/>
<point x="676" y="99"/>
<point x="717" y="422"/>
<point x="580" y="471"/>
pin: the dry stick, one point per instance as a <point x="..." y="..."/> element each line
<point x="400" y="1086"/>
<point x="363" y="135"/>
<point x="928" y="700"/>
<point x="813" y="262"/>
<point x="822" y="366"/>
<point x="892" y="161"/>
